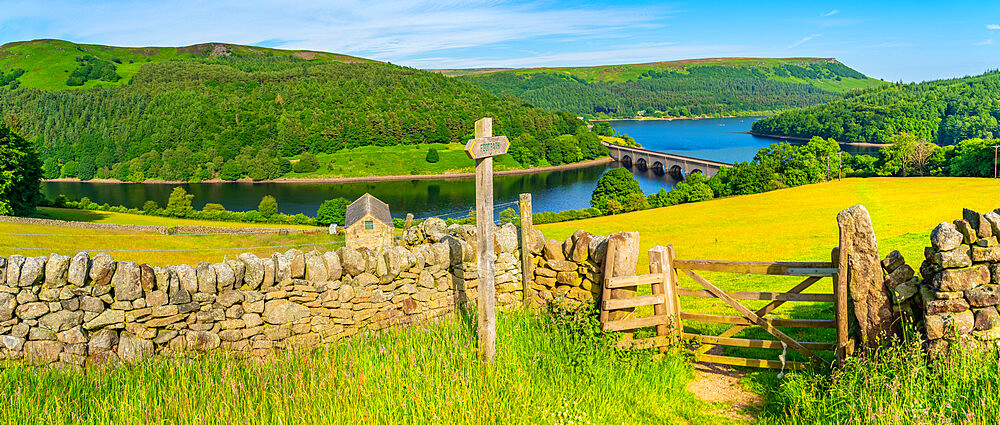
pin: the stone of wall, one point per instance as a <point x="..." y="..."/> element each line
<point x="80" y="310"/>
<point x="958" y="296"/>
<point x="569" y="270"/>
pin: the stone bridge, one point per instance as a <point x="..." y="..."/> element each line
<point x="661" y="163"/>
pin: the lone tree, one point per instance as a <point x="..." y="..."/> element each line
<point x="268" y="206"/>
<point x="332" y="212"/>
<point x="20" y="174"/>
<point x="615" y="185"/>
<point x="179" y="203"/>
<point x="433" y="156"/>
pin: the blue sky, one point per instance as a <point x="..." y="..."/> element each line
<point x="893" y="40"/>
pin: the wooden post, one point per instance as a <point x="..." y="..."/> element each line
<point x="840" y="313"/>
<point x="527" y="232"/>
<point x="482" y="149"/>
<point x="671" y="291"/>
<point x="486" y="256"/>
<point x="609" y="271"/>
<point x="659" y="263"/>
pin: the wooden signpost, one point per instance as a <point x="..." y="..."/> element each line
<point x="482" y="149"/>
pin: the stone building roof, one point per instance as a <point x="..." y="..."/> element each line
<point x="367" y="204"/>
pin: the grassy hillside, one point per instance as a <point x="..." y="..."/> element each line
<point x="942" y="111"/>
<point x="220" y="110"/>
<point x="720" y="86"/>
<point x="48" y="63"/>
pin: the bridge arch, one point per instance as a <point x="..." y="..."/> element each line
<point x="677" y="172"/>
<point x="658" y="168"/>
<point x="641" y="164"/>
<point x="627" y="161"/>
<point x="697" y="171"/>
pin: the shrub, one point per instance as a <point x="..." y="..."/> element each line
<point x="332" y="212"/>
<point x="268" y="206"/>
<point x="433" y="156"/>
<point x="307" y="164"/>
<point x="150" y="206"/>
<point x="213" y="208"/>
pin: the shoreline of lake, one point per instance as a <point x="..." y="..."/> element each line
<point x="805" y="139"/>
<point x="672" y="118"/>
<point x="360" y="179"/>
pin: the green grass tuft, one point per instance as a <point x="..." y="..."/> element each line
<point x="547" y="371"/>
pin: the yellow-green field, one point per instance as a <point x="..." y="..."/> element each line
<point x="185" y="249"/>
<point x="94" y="216"/>
<point x="797" y="224"/>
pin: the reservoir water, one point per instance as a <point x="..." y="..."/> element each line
<point x="722" y="139"/>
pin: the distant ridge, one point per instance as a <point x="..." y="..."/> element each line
<point x="676" y="88"/>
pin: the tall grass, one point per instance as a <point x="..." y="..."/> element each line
<point x="898" y="385"/>
<point x="549" y="369"/>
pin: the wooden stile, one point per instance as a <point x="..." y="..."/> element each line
<point x="668" y="316"/>
<point x="628" y="281"/>
<point x="653" y="300"/>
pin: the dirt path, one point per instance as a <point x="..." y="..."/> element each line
<point x="714" y="383"/>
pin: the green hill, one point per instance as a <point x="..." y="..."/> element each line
<point x="198" y="112"/>
<point x="941" y="111"/>
<point x="698" y="87"/>
<point x="48" y="64"/>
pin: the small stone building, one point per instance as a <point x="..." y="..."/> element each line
<point x="368" y="224"/>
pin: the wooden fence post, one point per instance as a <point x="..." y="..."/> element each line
<point x="661" y="261"/>
<point x="840" y="313"/>
<point x="527" y="232"/>
<point x="609" y="271"/>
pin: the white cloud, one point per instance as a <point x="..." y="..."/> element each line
<point x="993" y="27"/>
<point x="399" y="31"/>
<point x="985" y="42"/>
<point x="831" y="13"/>
<point x="638" y="53"/>
<point x="803" y="40"/>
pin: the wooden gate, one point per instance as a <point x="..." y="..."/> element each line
<point x="669" y="315"/>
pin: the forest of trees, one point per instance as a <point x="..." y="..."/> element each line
<point x="695" y="91"/>
<point x="943" y="111"/>
<point x="190" y="120"/>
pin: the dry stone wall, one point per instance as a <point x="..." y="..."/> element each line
<point x="82" y="309"/>
<point x="958" y="294"/>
